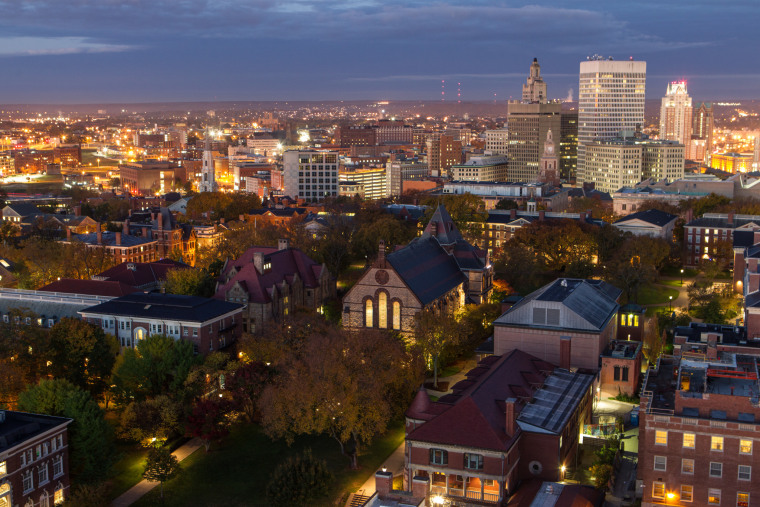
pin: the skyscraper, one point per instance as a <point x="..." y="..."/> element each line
<point x="208" y="172"/>
<point x="610" y="99"/>
<point x="702" y="130"/>
<point x="535" y="88"/>
<point x="675" y="114"/>
<point x="568" y="145"/>
<point x="310" y="175"/>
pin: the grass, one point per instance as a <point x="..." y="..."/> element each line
<point x="236" y="471"/>
<point x="449" y="370"/>
<point x="676" y="271"/>
<point x="673" y="283"/>
<point x="653" y="295"/>
<point x="127" y="471"/>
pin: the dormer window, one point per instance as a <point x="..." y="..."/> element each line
<point x="267" y="266"/>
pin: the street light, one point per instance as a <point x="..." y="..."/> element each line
<point x="681" y="277"/>
<point x="670" y="303"/>
<point x="562" y="469"/>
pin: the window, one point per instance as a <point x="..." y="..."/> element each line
<point x="745" y="446"/>
<point x="368" y="317"/>
<point x="687" y="493"/>
<point x="28" y="481"/>
<point x="3" y="469"/>
<point x="658" y="490"/>
<point x="713" y="496"/>
<point x="687" y="466"/>
<point x="439" y="457"/>
<point x="661" y="437"/>
<point x="716" y="469"/>
<point x="616" y="374"/>
<point x="382" y="310"/>
<point x="742" y="499"/>
<point x="660" y="463"/>
<point x="473" y="461"/>
<point x="745" y="472"/>
<point x="625" y="374"/>
<point x="42" y="474"/>
<point x="396" y="315"/>
<point x="58" y="496"/>
<point x="716" y="444"/>
<point x="57" y="466"/>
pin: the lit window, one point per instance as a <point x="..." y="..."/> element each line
<point x="660" y="463"/>
<point x="742" y="499"/>
<point x="368" y="317"/>
<point x="687" y="466"/>
<point x="716" y="469"/>
<point x="745" y="446"/>
<point x="3" y="469"/>
<point x="661" y="437"/>
<point x="689" y="440"/>
<point x="716" y="444"/>
<point x="745" y="472"/>
<point x="687" y="493"/>
<point x="396" y="315"/>
<point x="382" y="310"/>
<point x="58" y="496"/>
<point x="658" y="490"/>
<point x="713" y="496"/>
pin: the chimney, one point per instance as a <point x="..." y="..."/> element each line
<point x="420" y="487"/>
<point x="99" y="233"/>
<point x="541" y="215"/>
<point x="381" y="254"/>
<point x="565" y="351"/>
<point x="160" y="219"/>
<point x="221" y="220"/>
<point x="241" y="218"/>
<point x="513" y="214"/>
<point x="282" y="244"/>
<point x="510" y="417"/>
<point x="258" y="262"/>
<point x="118" y="238"/>
<point x="146" y="232"/>
<point x="383" y="482"/>
<point x="68" y="234"/>
<point x="77" y="211"/>
<point x="582" y="216"/>
<point x="730" y="218"/>
<point x="125" y="227"/>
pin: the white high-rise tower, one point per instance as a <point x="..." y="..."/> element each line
<point x="208" y="174"/>
<point x="610" y="99"/>
<point x="675" y="114"/>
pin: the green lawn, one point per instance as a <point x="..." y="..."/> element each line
<point x="236" y="471"/>
<point x="449" y="370"/>
<point x="674" y="283"/>
<point x="676" y="271"/>
<point x="654" y="294"/>
<point x="128" y="470"/>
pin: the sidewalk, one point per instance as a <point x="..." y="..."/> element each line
<point x="140" y="489"/>
<point x="394" y="463"/>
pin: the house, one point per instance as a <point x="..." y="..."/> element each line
<point x="209" y="324"/>
<point x="21" y="212"/>
<point x="514" y="417"/>
<point x="34" y="459"/>
<point x="437" y="271"/>
<point x="568" y="322"/>
<point x="652" y="222"/>
<point x="8" y="278"/>
<point x="173" y="239"/>
<point x="272" y="283"/>
<point x="621" y="368"/>
<point x="144" y="276"/>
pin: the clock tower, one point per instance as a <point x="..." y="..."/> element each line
<point x="549" y="163"/>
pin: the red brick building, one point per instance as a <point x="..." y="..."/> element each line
<point x="514" y="417"/>
<point x="354" y="135"/>
<point x="621" y="369"/>
<point x="34" y="459"/>
<point x="704" y="236"/>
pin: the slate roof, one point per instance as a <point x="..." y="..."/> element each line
<point x="23" y="209"/>
<point x="555" y="402"/>
<point x="140" y="274"/>
<point x="164" y="306"/>
<point x="19" y="427"/>
<point x="91" y="287"/>
<point x="593" y="300"/>
<point x="477" y="414"/>
<point x="442" y="227"/>
<point x="717" y="220"/>
<point x="109" y="239"/>
<point x="426" y="268"/>
<point x="285" y="264"/>
<point x="650" y="216"/>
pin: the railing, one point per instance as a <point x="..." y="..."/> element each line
<point x="438" y="490"/>
<point x="491" y="497"/>
<point x="456" y="492"/>
<point x="473" y="494"/>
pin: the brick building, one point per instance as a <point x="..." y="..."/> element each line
<point x="68" y="155"/>
<point x="147" y="177"/>
<point x="123" y="247"/>
<point x="621" y="368"/>
<point x="173" y="239"/>
<point x="209" y="324"/>
<point x="34" y="459"/>
<point x="354" y="135"/>
<point x="513" y="418"/>
<point x="699" y="422"/>
<point x="272" y="283"/>
<point x="568" y="322"/>
<point x="437" y="271"/>
<point x="705" y="235"/>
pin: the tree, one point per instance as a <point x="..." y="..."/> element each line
<point x="90" y="436"/>
<point x="23" y="355"/>
<point x="388" y="228"/>
<point x="208" y="421"/>
<point x="467" y="210"/>
<point x="652" y="340"/>
<point x="83" y="354"/>
<point x="189" y="282"/>
<point x="507" y="204"/>
<point x="151" y="420"/>
<point x="161" y="466"/>
<point x="556" y="243"/>
<point x="298" y="480"/>
<point x="518" y="267"/>
<point x="707" y="204"/>
<point x="598" y="208"/>
<point x="434" y="335"/>
<point x="637" y="263"/>
<point x="245" y="384"/>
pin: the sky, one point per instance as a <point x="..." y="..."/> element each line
<point x="95" y="51"/>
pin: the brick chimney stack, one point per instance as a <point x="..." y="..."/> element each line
<point x="99" y="233"/>
<point x="381" y="254"/>
<point x="283" y="244"/>
<point x="383" y="482"/>
<point x="68" y="234"/>
<point x="125" y="227"/>
<point x="510" y="417"/>
<point x="258" y="261"/>
<point x="513" y="214"/>
<point x="118" y="238"/>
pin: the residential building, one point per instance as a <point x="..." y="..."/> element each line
<point x="515" y="417"/>
<point x="209" y="324"/>
<point x="7" y="164"/>
<point x="477" y="169"/>
<point x="610" y="99"/>
<point x="272" y="283"/>
<point x="373" y="181"/>
<point x="122" y="247"/>
<point x="173" y="239"/>
<point x="698" y="421"/>
<point x="443" y="152"/>
<point x="143" y="276"/>
<point x="275" y="216"/>
<point x="568" y="145"/>
<point x="34" y="459"/>
<point x="675" y="114"/>
<point x="437" y="272"/>
<point x="534" y="90"/>
<point x="621" y="369"/>
<point x="399" y="171"/>
<point x="527" y="127"/>
<point x="652" y="222"/>
<point x="310" y="175"/>
<point x="703" y="236"/>
<point x="568" y="322"/>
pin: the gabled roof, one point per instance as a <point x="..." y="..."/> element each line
<point x="140" y="274"/>
<point x="426" y="268"/>
<point x="650" y="216"/>
<point x="442" y="227"/>
<point x="23" y="209"/>
<point x="164" y="306"/>
<point x="91" y="287"/>
<point x="109" y="239"/>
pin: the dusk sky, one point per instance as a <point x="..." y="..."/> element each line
<point x="87" y="51"/>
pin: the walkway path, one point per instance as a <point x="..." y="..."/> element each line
<point x="140" y="489"/>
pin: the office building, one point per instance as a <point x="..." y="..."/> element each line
<point x="496" y="141"/>
<point x="568" y="145"/>
<point x="397" y="172"/>
<point x="675" y="114"/>
<point x="702" y="129"/>
<point x="310" y="175"/>
<point x="208" y="171"/>
<point x="527" y="127"/>
<point x="443" y="152"/>
<point x="612" y="165"/>
<point x="373" y="181"/>
<point x="493" y="168"/>
<point x="534" y="90"/>
<point x="661" y="160"/>
<point x="732" y="162"/>
<point x="611" y="98"/>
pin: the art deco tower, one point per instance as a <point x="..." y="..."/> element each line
<point x="535" y="88"/>
<point x="675" y="114"/>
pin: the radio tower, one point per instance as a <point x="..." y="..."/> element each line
<point x="459" y="93"/>
<point x="443" y="90"/>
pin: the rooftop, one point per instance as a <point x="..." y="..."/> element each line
<point x="17" y="427"/>
<point x="164" y="306"/>
<point x="619" y="349"/>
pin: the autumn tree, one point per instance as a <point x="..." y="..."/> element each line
<point x="155" y="419"/>
<point x="434" y="335"/>
<point x="706" y="204"/>
<point x="245" y="383"/>
<point x="386" y="227"/>
<point x="637" y="263"/>
<point x="519" y="268"/>
<point x="24" y="352"/>
<point x="83" y="354"/>
<point x="506" y="204"/>
<point x="161" y="466"/>
<point x="653" y="340"/>
<point x="189" y="282"/>
<point x="208" y="420"/>
<point x="468" y="212"/>
<point x="556" y="243"/>
<point x="598" y="208"/>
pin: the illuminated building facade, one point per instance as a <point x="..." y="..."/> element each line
<point x="373" y="180"/>
<point x="527" y="127"/>
<point x="492" y="168"/>
<point x="208" y="170"/>
<point x="732" y="162"/>
<point x="310" y="175"/>
<point x="568" y="145"/>
<point x="702" y="129"/>
<point x="443" y="152"/>
<point x="534" y="90"/>
<point x="611" y="97"/>
<point x="675" y="114"/>
<point x="497" y="141"/>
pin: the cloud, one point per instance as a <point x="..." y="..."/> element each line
<point x="40" y="46"/>
<point x="428" y="77"/>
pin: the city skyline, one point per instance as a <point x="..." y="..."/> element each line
<point x="90" y="52"/>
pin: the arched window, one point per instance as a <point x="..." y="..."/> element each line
<point x="5" y="495"/>
<point x="396" y="315"/>
<point x="368" y="318"/>
<point x="382" y="309"/>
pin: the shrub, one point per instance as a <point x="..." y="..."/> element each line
<point x="298" y="479"/>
